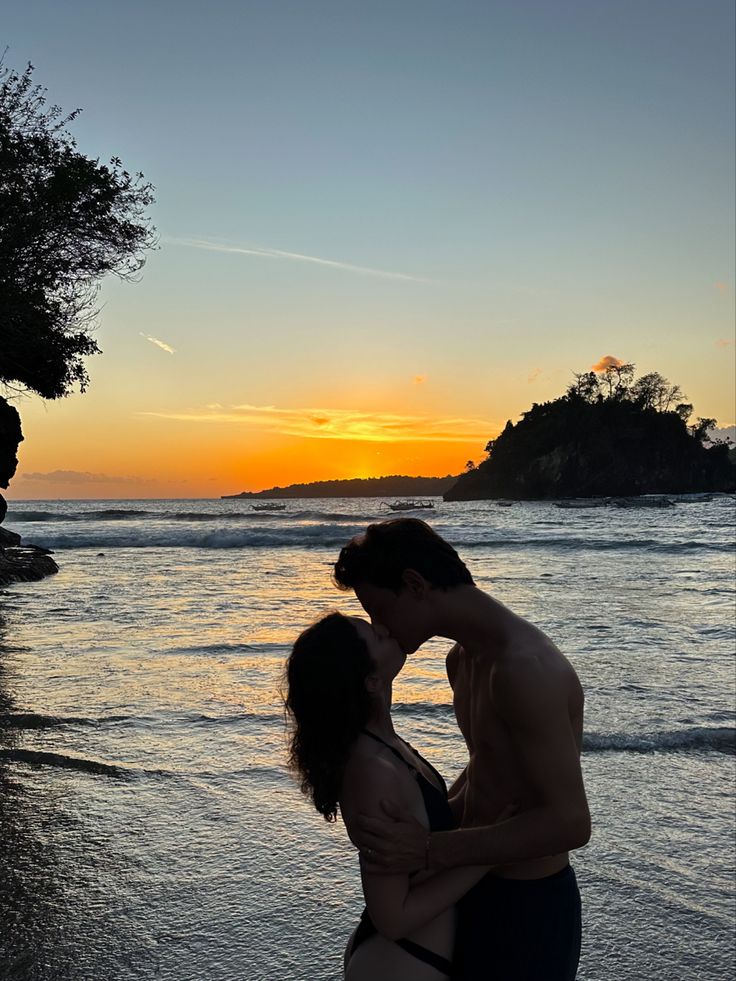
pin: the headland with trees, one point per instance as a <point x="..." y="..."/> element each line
<point x="608" y="435"/>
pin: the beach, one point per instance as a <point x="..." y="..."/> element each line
<point x="149" y="828"/>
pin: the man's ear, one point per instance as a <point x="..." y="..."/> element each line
<point x="415" y="582"/>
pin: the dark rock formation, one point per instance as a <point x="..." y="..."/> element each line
<point x="8" y="539"/>
<point x="18" y="563"/>
<point x="572" y="448"/>
<point x="25" y="564"/>
<point x="11" y="436"/>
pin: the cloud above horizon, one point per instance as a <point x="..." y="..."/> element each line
<point x="723" y="342"/>
<point x="343" y="424"/>
<point x="534" y="375"/>
<point x="162" y="344"/>
<point x="607" y="361"/>
<point x="79" y="477"/>
<point x="208" y="246"/>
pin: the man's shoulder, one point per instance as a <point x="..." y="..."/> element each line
<point x="531" y="675"/>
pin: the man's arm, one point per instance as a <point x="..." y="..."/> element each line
<point x="396" y="904"/>
<point x="533" y="705"/>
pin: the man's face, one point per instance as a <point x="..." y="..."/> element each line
<point x="397" y="612"/>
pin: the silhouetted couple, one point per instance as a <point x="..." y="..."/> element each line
<point x="474" y="883"/>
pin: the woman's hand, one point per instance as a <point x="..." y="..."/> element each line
<point x="396" y="843"/>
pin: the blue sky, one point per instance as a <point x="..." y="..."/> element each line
<point x="531" y="185"/>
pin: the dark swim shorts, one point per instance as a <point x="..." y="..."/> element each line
<point x="519" y="930"/>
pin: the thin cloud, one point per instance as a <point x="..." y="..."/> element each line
<point x="162" y="344"/>
<point x="420" y="379"/>
<point x="342" y="424"/>
<point x="199" y="243"/>
<point x="78" y="477"/>
<point x="534" y="375"/>
<point x="607" y="361"/>
<point x="720" y="286"/>
<point x="722" y="342"/>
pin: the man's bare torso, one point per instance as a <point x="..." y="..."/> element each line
<point x="495" y="775"/>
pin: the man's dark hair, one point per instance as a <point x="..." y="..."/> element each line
<point x="380" y="556"/>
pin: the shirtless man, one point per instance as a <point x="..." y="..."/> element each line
<point x="520" y="802"/>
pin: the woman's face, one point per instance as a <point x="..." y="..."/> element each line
<point x="383" y="649"/>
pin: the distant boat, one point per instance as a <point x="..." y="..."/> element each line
<point x="410" y="505"/>
<point x="268" y="507"/>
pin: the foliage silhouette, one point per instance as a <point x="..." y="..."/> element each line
<point x="65" y="221"/>
<point x="607" y="436"/>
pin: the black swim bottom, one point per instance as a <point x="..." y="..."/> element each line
<point x="519" y="930"/>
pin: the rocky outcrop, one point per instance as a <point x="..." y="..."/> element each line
<point x="25" y="564"/>
<point x="18" y="562"/>
<point x="11" y="436"/>
<point x="572" y="448"/>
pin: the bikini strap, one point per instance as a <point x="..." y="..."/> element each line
<point x="392" y="749"/>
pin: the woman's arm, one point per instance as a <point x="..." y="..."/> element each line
<point x="395" y="905"/>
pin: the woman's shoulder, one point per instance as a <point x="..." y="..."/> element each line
<point x="370" y="773"/>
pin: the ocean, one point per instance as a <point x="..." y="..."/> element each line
<point x="149" y="828"/>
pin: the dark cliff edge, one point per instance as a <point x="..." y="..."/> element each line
<point x="18" y="562"/>
<point x="393" y="486"/>
<point x="610" y="447"/>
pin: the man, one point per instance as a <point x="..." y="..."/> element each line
<point x="520" y="802"/>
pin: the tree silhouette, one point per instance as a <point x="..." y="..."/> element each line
<point x="607" y="436"/>
<point x="65" y="221"/>
<point x="652" y="391"/>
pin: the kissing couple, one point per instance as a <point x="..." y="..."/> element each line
<point x="468" y="883"/>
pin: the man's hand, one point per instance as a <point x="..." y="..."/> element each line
<point x="396" y="843"/>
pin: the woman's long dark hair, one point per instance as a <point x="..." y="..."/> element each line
<point x="329" y="705"/>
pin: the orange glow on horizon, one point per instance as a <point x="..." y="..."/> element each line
<point x="72" y="452"/>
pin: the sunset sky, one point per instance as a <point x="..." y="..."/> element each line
<point x="385" y="227"/>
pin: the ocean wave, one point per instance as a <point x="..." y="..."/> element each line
<point x="108" y="514"/>
<point x="32" y="720"/>
<point x="42" y="758"/>
<point x="331" y="535"/>
<point x="317" y="536"/>
<point x="429" y="710"/>
<point x="35" y="720"/>
<point x="132" y="514"/>
<point x="720" y="740"/>
<point x="599" y="544"/>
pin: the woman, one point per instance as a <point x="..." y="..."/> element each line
<point x="348" y="757"/>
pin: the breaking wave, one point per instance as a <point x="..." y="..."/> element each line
<point x="333" y="535"/>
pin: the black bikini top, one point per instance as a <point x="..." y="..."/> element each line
<point x="436" y="805"/>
